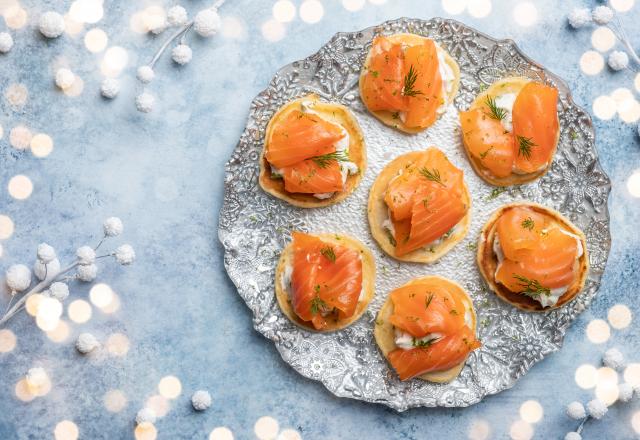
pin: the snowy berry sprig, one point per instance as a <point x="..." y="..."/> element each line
<point x="52" y="278"/>
<point x="603" y="15"/>
<point x="596" y="409"/>
<point x="206" y="24"/>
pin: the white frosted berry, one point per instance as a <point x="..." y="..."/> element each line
<point x="579" y="17"/>
<point x="51" y="24"/>
<point x="110" y="88"/>
<point x="201" y="400"/>
<point x="59" y="291"/>
<point x="145" y="74"/>
<point x="576" y="410"/>
<point x="146" y="415"/>
<point x="46" y="271"/>
<point x="613" y="358"/>
<point x="602" y="14"/>
<point x="125" y="254"/>
<point x="625" y="392"/>
<point x="112" y="227"/>
<point x="207" y="22"/>
<point x="87" y="273"/>
<point x="177" y="16"/>
<point x="6" y="42"/>
<point x="86" y="343"/>
<point x="572" y="436"/>
<point x="181" y="54"/>
<point x="618" y="60"/>
<point x="64" y="78"/>
<point x="45" y="253"/>
<point x="597" y="408"/>
<point x="36" y="377"/>
<point x="86" y="255"/>
<point x="145" y="102"/>
<point x="18" y="277"/>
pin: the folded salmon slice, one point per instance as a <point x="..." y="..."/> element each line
<point x="326" y="278"/>
<point x="422" y="74"/>
<point x="535" y="126"/>
<point x="312" y="177"/>
<point x="299" y="136"/>
<point x="441" y="355"/>
<point x="488" y="142"/>
<point x="382" y="84"/>
<point x="538" y="254"/>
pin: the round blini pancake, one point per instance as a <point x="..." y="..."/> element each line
<point x="331" y="112"/>
<point x="378" y="212"/>
<point x="488" y="261"/>
<point x="385" y="335"/>
<point x="501" y="87"/>
<point x="385" y="116"/>
<point x="368" y="282"/>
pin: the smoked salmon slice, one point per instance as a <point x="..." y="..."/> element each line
<point x="299" y="136"/>
<point x="425" y="201"/>
<point x="430" y="308"/>
<point x="535" y="126"/>
<point x="326" y="278"/>
<point x="309" y="176"/>
<point x="404" y="80"/>
<point x="538" y="255"/>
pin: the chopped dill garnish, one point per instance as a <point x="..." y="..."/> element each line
<point x="495" y="112"/>
<point x="410" y="82"/>
<point x="524" y="146"/>
<point x="472" y="246"/>
<point x="531" y="288"/>
<point x="427" y="301"/>
<point x="391" y="238"/>
<point x="433" y="175"/>
<point x="528" y="223"/>
<point x="495" y="193"/>
<point x="328" y="253"/>
<point x="484" y="154"/>
<point x="395" y="115"/>
<point x="317" y="305"/>
<point x="424" y="344"/>
<point x="326" y="159"/>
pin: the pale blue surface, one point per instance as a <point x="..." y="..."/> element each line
<point x="179" y="309"/>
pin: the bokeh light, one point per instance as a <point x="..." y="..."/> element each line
<point x="60" y="333"/>
<point x="15" y="17"/>
<point x="86" y="11"/>
<point x="479" y="8"/>
<point x="37" y="382"/>
<point x="6" y="227"/>
<point x="115" y="59"/>
<point x="48" y="314"/>
<point x="76" y="88"/>
<point x="454" y="7"/>
<point x="66" y="430"/>
<point x="311" y="11"/>
<point x="353" y="5"/>
<point x="531" y="411"/>
<point x="170" y="387"/>
<point x="32" y="303"/>
<point x="118" y="344"/>
<point x="96" y="40"/>
<point x="266" y="428"/>
<point x="633" y="186"/>
<point x="72" y="27"/>
<point x="41" y="145"/>
<point x="159" y="404"/>
<point x="22" y="391"/>
<point x="7" y="340"/>
<point x="598" y="331"/>
<point x="17" y="95"/>
<point x="479" y="429"/>
<point x="622" y="5"/>
<point x="619" y="316"/>
<point x="20" y="137"/>
<point x="233" y="28"/>
<point x="603" y="39"/>
<point x="586" y="376"/>
<point x="591" y="62"/>
<point x="284" y="11"/>
<point x="607" y="385"/>
<point x="525" y="14"/>
<point x="20" y="187"/>
<point x="272" y="30"/>
<point x="521" y="430"/>
<point x="635" y="422"/>
<point x="101" y="295"/>
<point x="632" y="374"/>
<point x="79" y="311"/>
<point x="221" y="433"/>
<point x="115" y="401"/>
<point x="146" y="431"/>
<point x="289" y="434"/>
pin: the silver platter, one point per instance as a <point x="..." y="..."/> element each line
<point x="254" y="227"/>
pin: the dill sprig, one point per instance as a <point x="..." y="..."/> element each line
<point x="495" y="193"/>
<point x="392" y="239"/>
<point x="427" y="301"/>
<point x="424" y="344"/>
<point x="433" y="175"/>
<point x="524" y="146"/>
<point x="328" y="253"/>
<point x="326" y="159"/>
<point x="495" y="112"/>
<point x="531" y="288"/>
<point x="410" y="82"/>
<point x="528" y="223"/>
<point x="317" y="303"/>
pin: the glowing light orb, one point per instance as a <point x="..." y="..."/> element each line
<point x="159" y="404"/>
<point x="479" y="8"/>
<point x="272" y="30"/>
<point x="598" y="331"/>
<point x="115" y="59"/>
<point x="60" y="333"/>
<point x="635" y="422"/>
<point x="233" y="28"/>
<point x="79" y="311"/>
<point x="521" y="430"/>
<point x="619" y="316"/>
<point x="170" y="387"/>
<point x="96" y="40"/>
<point x="603" y="39"/>
<point x="20" y="137"/>
<point x="266" y="428"/>
<point x="622" y="5"/>
<point x="146" y="431"/>
<point x="66" y="430"/>
<point x="86" y="11"/>
<point x="283" y="11"/>
<point x="15" y="17"/>
<point x="7" y="340"/>
<point x="591" y="62"/>
<point x="531" y="411"/>
<point x="115" y="401"/>
<point x="633" y="186"/>
<point x="289" y="434"/>
<point x="311" y="11"/>
<point x="454" y="7"/>
<point x="101" y="295"/>
<point x="17" y="95"/>
<point x="586" y="376"/>
<point x="6" y="227"/>
<point x="632" y="374"/>
<point x="118" y="344"/>
<point x="41" y="145"/>
<point x="20" y="187"/>
<point x="32" y="303"/>
<point x="525" y="14"/>
<point x="221" y="433"/>
<point x="353" y="5"/>
<point x="479" y="430"/>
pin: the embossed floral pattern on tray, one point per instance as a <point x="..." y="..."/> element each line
<point x="254" y="226"/>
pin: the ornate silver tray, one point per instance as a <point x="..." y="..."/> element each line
<point x="254" y="226"/>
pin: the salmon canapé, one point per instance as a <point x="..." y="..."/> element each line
<point x="324" y="282"/>
<point x="511" y="131"/>
<point x="426" y="329"/>
<point x="418" y="206"/>
<point x="532" y="256"/>
<point x="313" y="153"/>
<point x="408" y="81"/>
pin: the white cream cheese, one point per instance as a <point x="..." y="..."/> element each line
<point x="505" y="102"/>
<point x="346" y="168"/>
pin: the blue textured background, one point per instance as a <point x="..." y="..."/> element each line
<point x="162" y="173"/>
